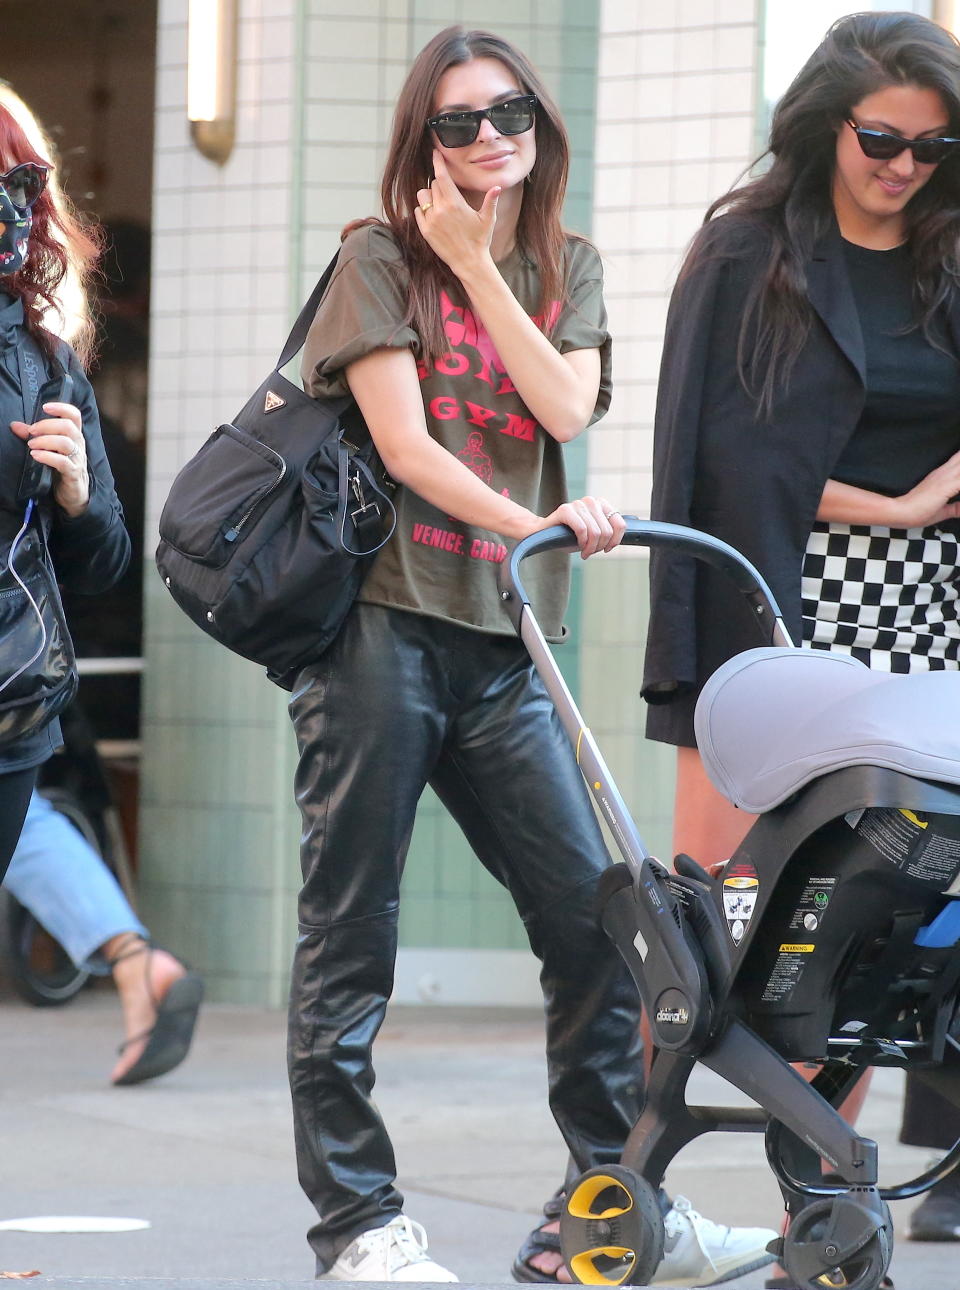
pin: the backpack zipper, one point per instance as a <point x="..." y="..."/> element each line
<point x="235" y="530"/>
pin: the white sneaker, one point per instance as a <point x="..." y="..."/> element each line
<point x="698" y="1252"/>
<point x="396" y="1252"/>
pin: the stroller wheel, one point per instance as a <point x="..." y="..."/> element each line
<point x="611" y="1228"/>
<point x="804" y="1253"/>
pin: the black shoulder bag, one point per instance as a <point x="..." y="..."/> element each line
<point x="268" y="531"/>
<point x="38" y="671"/>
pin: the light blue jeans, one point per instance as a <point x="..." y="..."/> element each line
<point x="61" y="880"/>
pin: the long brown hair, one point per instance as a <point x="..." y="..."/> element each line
<point x="409" y="166"/>
<point x="861" y="53"/>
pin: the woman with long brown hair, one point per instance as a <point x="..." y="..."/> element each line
<point x="470" y="328"/>
<point x="426" y="682"/>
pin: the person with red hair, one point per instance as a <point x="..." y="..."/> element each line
<point x="44" y="246"/>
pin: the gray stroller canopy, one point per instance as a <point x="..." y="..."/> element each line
<point x="771" y="720"/>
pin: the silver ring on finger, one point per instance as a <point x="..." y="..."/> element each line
<point x="608" y="515"/>
<point x="74" y="452"/>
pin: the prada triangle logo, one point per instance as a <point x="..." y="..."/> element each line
<point x="273" y="401"/>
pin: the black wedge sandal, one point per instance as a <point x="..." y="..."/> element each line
<point x="170" y="1036"/>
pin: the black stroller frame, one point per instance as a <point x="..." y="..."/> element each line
<point x="729" y="1000"/>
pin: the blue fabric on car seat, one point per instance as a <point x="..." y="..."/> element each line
<point x="944" y="931"/>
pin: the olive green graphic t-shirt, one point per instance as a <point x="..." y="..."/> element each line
<point x="434" y="564"/>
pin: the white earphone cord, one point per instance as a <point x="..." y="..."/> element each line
<point x="26" y="591"/>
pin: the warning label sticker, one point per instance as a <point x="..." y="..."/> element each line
<point x="793" y="955"/>
<point x="786" y="973"/>
<point x="741" y="887"/>
<point x="912" y="842"/>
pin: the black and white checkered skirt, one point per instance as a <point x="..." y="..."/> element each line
<point x="889" y="597"/>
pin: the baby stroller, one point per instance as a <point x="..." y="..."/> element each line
<point x="832" y="935"/>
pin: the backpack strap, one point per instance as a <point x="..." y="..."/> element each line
<point x="351" y="417"/>
<point x="31" y="363"/>
<point x="298" y="333"/>
<point x="358" y="491"/>
<point x="36" y="368"/>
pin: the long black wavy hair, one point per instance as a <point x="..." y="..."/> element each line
<point x="860" y="54"/>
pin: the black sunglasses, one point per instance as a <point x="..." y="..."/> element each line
<point x="879" y="146"/>
<point x="457" y="129"/>
<point x="24" y="184"/>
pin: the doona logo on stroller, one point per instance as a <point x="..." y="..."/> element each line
<point x="833" y="934"/>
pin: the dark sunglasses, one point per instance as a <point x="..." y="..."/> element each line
<point x="24" y="184"/>
<point x="457" y="129"/>
<point x="879" y="146"/>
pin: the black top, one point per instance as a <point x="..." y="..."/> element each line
<point x="911" y="418"/>
<point x="753" y="480"/>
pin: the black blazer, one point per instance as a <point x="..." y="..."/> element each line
<point x="755" y="483"/>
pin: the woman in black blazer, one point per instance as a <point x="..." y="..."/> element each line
<point x="809" y="406"/>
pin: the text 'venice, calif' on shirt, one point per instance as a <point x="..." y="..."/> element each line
<point x="434" y="564"/>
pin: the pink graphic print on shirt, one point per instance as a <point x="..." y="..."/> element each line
<point x="472" y="353"/>
<point x="475" y="459"/>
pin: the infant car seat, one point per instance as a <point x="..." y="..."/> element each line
<point x="832" y="935"/>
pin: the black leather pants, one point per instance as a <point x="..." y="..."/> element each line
<point x="397" y="702"/>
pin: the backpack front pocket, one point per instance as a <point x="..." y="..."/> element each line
<point x="219" y="504"/>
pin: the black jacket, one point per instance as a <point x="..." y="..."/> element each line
<point x="755" y="483"/>
<point x="91" y="551"/>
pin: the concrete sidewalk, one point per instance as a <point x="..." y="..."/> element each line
<point x="205" y="1153"/>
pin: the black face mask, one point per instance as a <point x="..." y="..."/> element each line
<point x="15" y="228"/>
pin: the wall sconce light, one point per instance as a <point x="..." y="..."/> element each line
<point x="945" y="12"/>
<point x="212" y="76"/>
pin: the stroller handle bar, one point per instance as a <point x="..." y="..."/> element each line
<point x="653" y="533"/>
<point x="659" y="941"/>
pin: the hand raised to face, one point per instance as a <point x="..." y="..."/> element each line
<point x="460" y="235"/>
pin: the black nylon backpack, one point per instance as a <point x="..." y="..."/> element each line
<point x="269" y="529"/>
